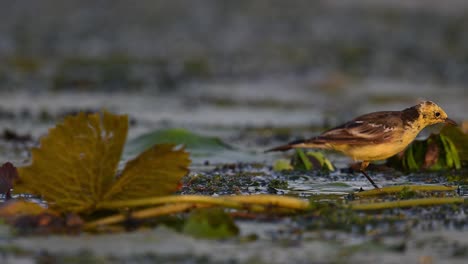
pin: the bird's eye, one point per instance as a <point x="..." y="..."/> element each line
<point x="437" y="114"/>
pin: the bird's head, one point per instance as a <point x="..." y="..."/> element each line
<point x="430" y="114"/>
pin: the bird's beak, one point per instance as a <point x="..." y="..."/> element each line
<point x="450" y="122"/>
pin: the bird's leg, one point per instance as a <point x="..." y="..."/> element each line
<point x="364" y="165"/>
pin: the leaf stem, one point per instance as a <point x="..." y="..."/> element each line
<point x="399" y="188"/>
<point x="238" y="202"/>
<point x="181" y="203"/>
<point x="146" y="213"/>
<point x="406" y="203"/>
<point x="167" y="200"/>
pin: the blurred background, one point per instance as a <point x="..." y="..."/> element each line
<point x="229" y="67"/>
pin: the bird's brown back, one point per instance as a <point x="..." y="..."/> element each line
<point x="373" y="128"/>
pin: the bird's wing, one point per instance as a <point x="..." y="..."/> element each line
<point x="375" y="127"/>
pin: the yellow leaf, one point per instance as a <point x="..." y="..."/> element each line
<point x="17" y="208"/>
<point x="75" y="167"/>
<point x="155" y="172"/>
<point x="76" y="162"/>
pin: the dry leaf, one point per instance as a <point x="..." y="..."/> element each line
<point x="76" y="164"/>
<point x="464" y="127"/>
<point x="155" y="172"/>
<point x="432" y="154"/>
<point x="8" y="174"/>
<point x="19" y="207"/>
<point x="30" y="218"/>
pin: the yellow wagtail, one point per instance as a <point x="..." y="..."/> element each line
<point x="376" y="136"/>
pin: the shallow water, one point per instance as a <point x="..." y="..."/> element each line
<point x="265" y="75"/>
<point x="247" y="123"/>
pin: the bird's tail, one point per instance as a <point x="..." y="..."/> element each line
<point x="311" y="143"/>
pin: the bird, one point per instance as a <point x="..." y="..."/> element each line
<point x="377" y="135"/>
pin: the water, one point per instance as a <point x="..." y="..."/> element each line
<point x="263" y="75"/>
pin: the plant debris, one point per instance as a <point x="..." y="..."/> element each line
<point x="211" y="223"/>
<point x="447" y="150"/>
<point x="31" y="218"/>
<point x="8" y="174"/>
<point x="310" y="160"/>
<point x="10" y="135"/>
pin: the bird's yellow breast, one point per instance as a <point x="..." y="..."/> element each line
<point x="372" y="151"/>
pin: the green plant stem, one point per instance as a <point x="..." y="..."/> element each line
<point x="271" y="201"/>
<point x="168" y="200"/>
<point x="237" y="202"/>
<point x="406" y="203"/>
<point x="181" y="203"/>
<point x="396" y="189"/>
<point x="305" y="160"/>
<point x="146" y="213"/>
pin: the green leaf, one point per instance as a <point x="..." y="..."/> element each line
<point x="196" y="144"/>
<point x="451" y="153"/>
<point x="282" y="164"/>
<point x="459" y="140"/>
<point x="411" y="161"/>
<point x="303" y="160"/>
<point x="448" y="155"/>
<point x="211" y="223"/>
<point x="324" y="162"/>
<point x="311" y="160"/>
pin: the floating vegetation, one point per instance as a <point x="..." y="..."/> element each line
<point x="405" y="188"/>
<point x="407" y="203"/>
<point x="75" y="171"/>
<point x="447" y="150"/>
<point x="282" y="165"/>
<point x="75" y="166"/>
<point x="311" y="160"/>
<point x="197" y="145"/>
<point x="212" y="223"/>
